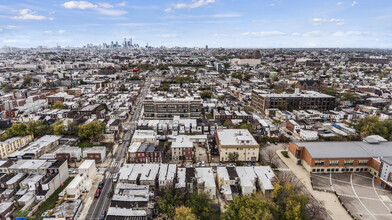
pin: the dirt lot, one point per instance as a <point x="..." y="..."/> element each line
<point x="359" y="193"/>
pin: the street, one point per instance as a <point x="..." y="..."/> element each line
<point x="102" y="203"/>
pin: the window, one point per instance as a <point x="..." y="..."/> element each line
<point x="333" y="162"/>
<point x="348" y="162"/>
<point x="363" y="162"/>
<point x="319" y="162"/>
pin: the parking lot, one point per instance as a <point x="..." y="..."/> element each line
<point x="359" y="194"/>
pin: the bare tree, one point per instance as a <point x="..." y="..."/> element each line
<point x="288" y="177"/>
<point x="270" y="156"/>
<point x="315" y="210"/>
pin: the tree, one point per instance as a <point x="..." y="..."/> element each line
<point x="228" y="124"/>
<point x="27" y="79"/>
<point x="200" y="203"/>
<point x="330" y="91"/>
<point x="348" y="96"/>
<point x="184" y="213"/>
<point x="168" y="202"/>
<point x="59" y="129"/>
<point x="206" y="94"/>
<point x="246" y="125"/>
<point x="275" y="78"/>
<point x="38" y="128"/>
<point x="233" y="157"/>
<point x="90" y="130"/>
<point x="18" y="129"/>
<point x="269" y="155"/>
<point x="247" y="108"/>
<point x="255" y="207"/>
<point x="291" y="204"/>
<point x="4" y="136"/>
<point x="58" y="105"/>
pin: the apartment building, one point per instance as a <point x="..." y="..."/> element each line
<point x="163" y="108"/>
<point x="11" y="145"/>
<point x="239" y="141"/>
<point x="307" y="100"/>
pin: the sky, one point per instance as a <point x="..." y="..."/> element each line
<point x="197" y="23"/>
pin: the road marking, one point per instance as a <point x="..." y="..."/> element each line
<point x="342" y="181"/>
<point x="352" y="186"/>
<point x="330" y="182"/>
<point x="382" y="201"/>
<point x="351" y="196"/>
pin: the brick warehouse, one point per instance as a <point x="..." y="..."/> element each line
<point x="370" y="155"/>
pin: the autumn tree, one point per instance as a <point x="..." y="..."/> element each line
<point x="184" y="213"/>
<point x="58" y="105"/>
<point x="90" y="130"/>
<point x="18" y="129"/>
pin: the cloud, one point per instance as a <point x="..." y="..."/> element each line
<point x="167" y="35"/>
<point x="339" y="3"/>
<point x="48" y="32"/>
<point x="51" y="19"/>
<point x="102" y="8"/>
<point x="61" y="31"/>
<point x="105" y="5"/>
<point x="313" y="34"/>
<point x="132" y="24"/>
<point x="194" y="4"/>
<point x="318" y="21"/>
<point x="79" y="5"/>
<point x="350" y="33"/>
<point x="227" y="15"/>
<point x="354" y="3"/>
<point x="264" y="34"/>
<point x="122" y="4"/>
<point x="169" y="10"/>
<point x="1" y="30"/>
<point x="111" y="12"/>
<point x="296" y="34"/>
<point x="27" y="14"/>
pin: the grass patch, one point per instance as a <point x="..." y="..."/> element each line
<point x="52" y="200"/>
<point x="85" y="144"/>
<point x="285" y="154"/>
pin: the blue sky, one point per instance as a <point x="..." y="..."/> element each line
<point x="217" y="23"/>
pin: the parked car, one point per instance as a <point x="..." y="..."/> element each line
<point x="121" y="141"/>
<point x="203" y="164"/>
<point x="103" y="215"/>
<point x="97" y="193"/>
<point x="100" y="185"/>
<point x="289" y="133"/>
<point x="115" y="178"/>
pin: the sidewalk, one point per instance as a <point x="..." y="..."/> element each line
<point x="329" y="200"/>
<point x="88" y="198"/>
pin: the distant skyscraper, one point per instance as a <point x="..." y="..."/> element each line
<point x="206" y="47"/>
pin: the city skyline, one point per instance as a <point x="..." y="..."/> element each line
<point x="187" y="23"/>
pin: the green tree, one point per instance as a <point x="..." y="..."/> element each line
<point x="90" y="130"/>
<point x="348" y="96"/>
<point x="254" y="207"/>
<point x="184" y="213"/>
<point x="58" y="105"/>
<point x="18" y="129"/>
<point x="59" y="129"/>
<point x="228" y="124"/>
<point x="4" y="136"/>
<point x="291" y="204"/>
<point x="200" y="203"/>
<point x="247" y="108"/>
<point x="38" y="128"/>
<point x="167" y="203"/>
<point x="27" y="79"/>
<point x="330" y="91"/>
<point x="206" y="94"/>
<point x="275" y="78"/>
<point x="246" y="125"/>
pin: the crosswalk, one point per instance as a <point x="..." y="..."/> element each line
<point x="110" y="175"/>
<point x="115" y="164"/>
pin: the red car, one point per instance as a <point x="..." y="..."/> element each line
<point x="97" y="193"/>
